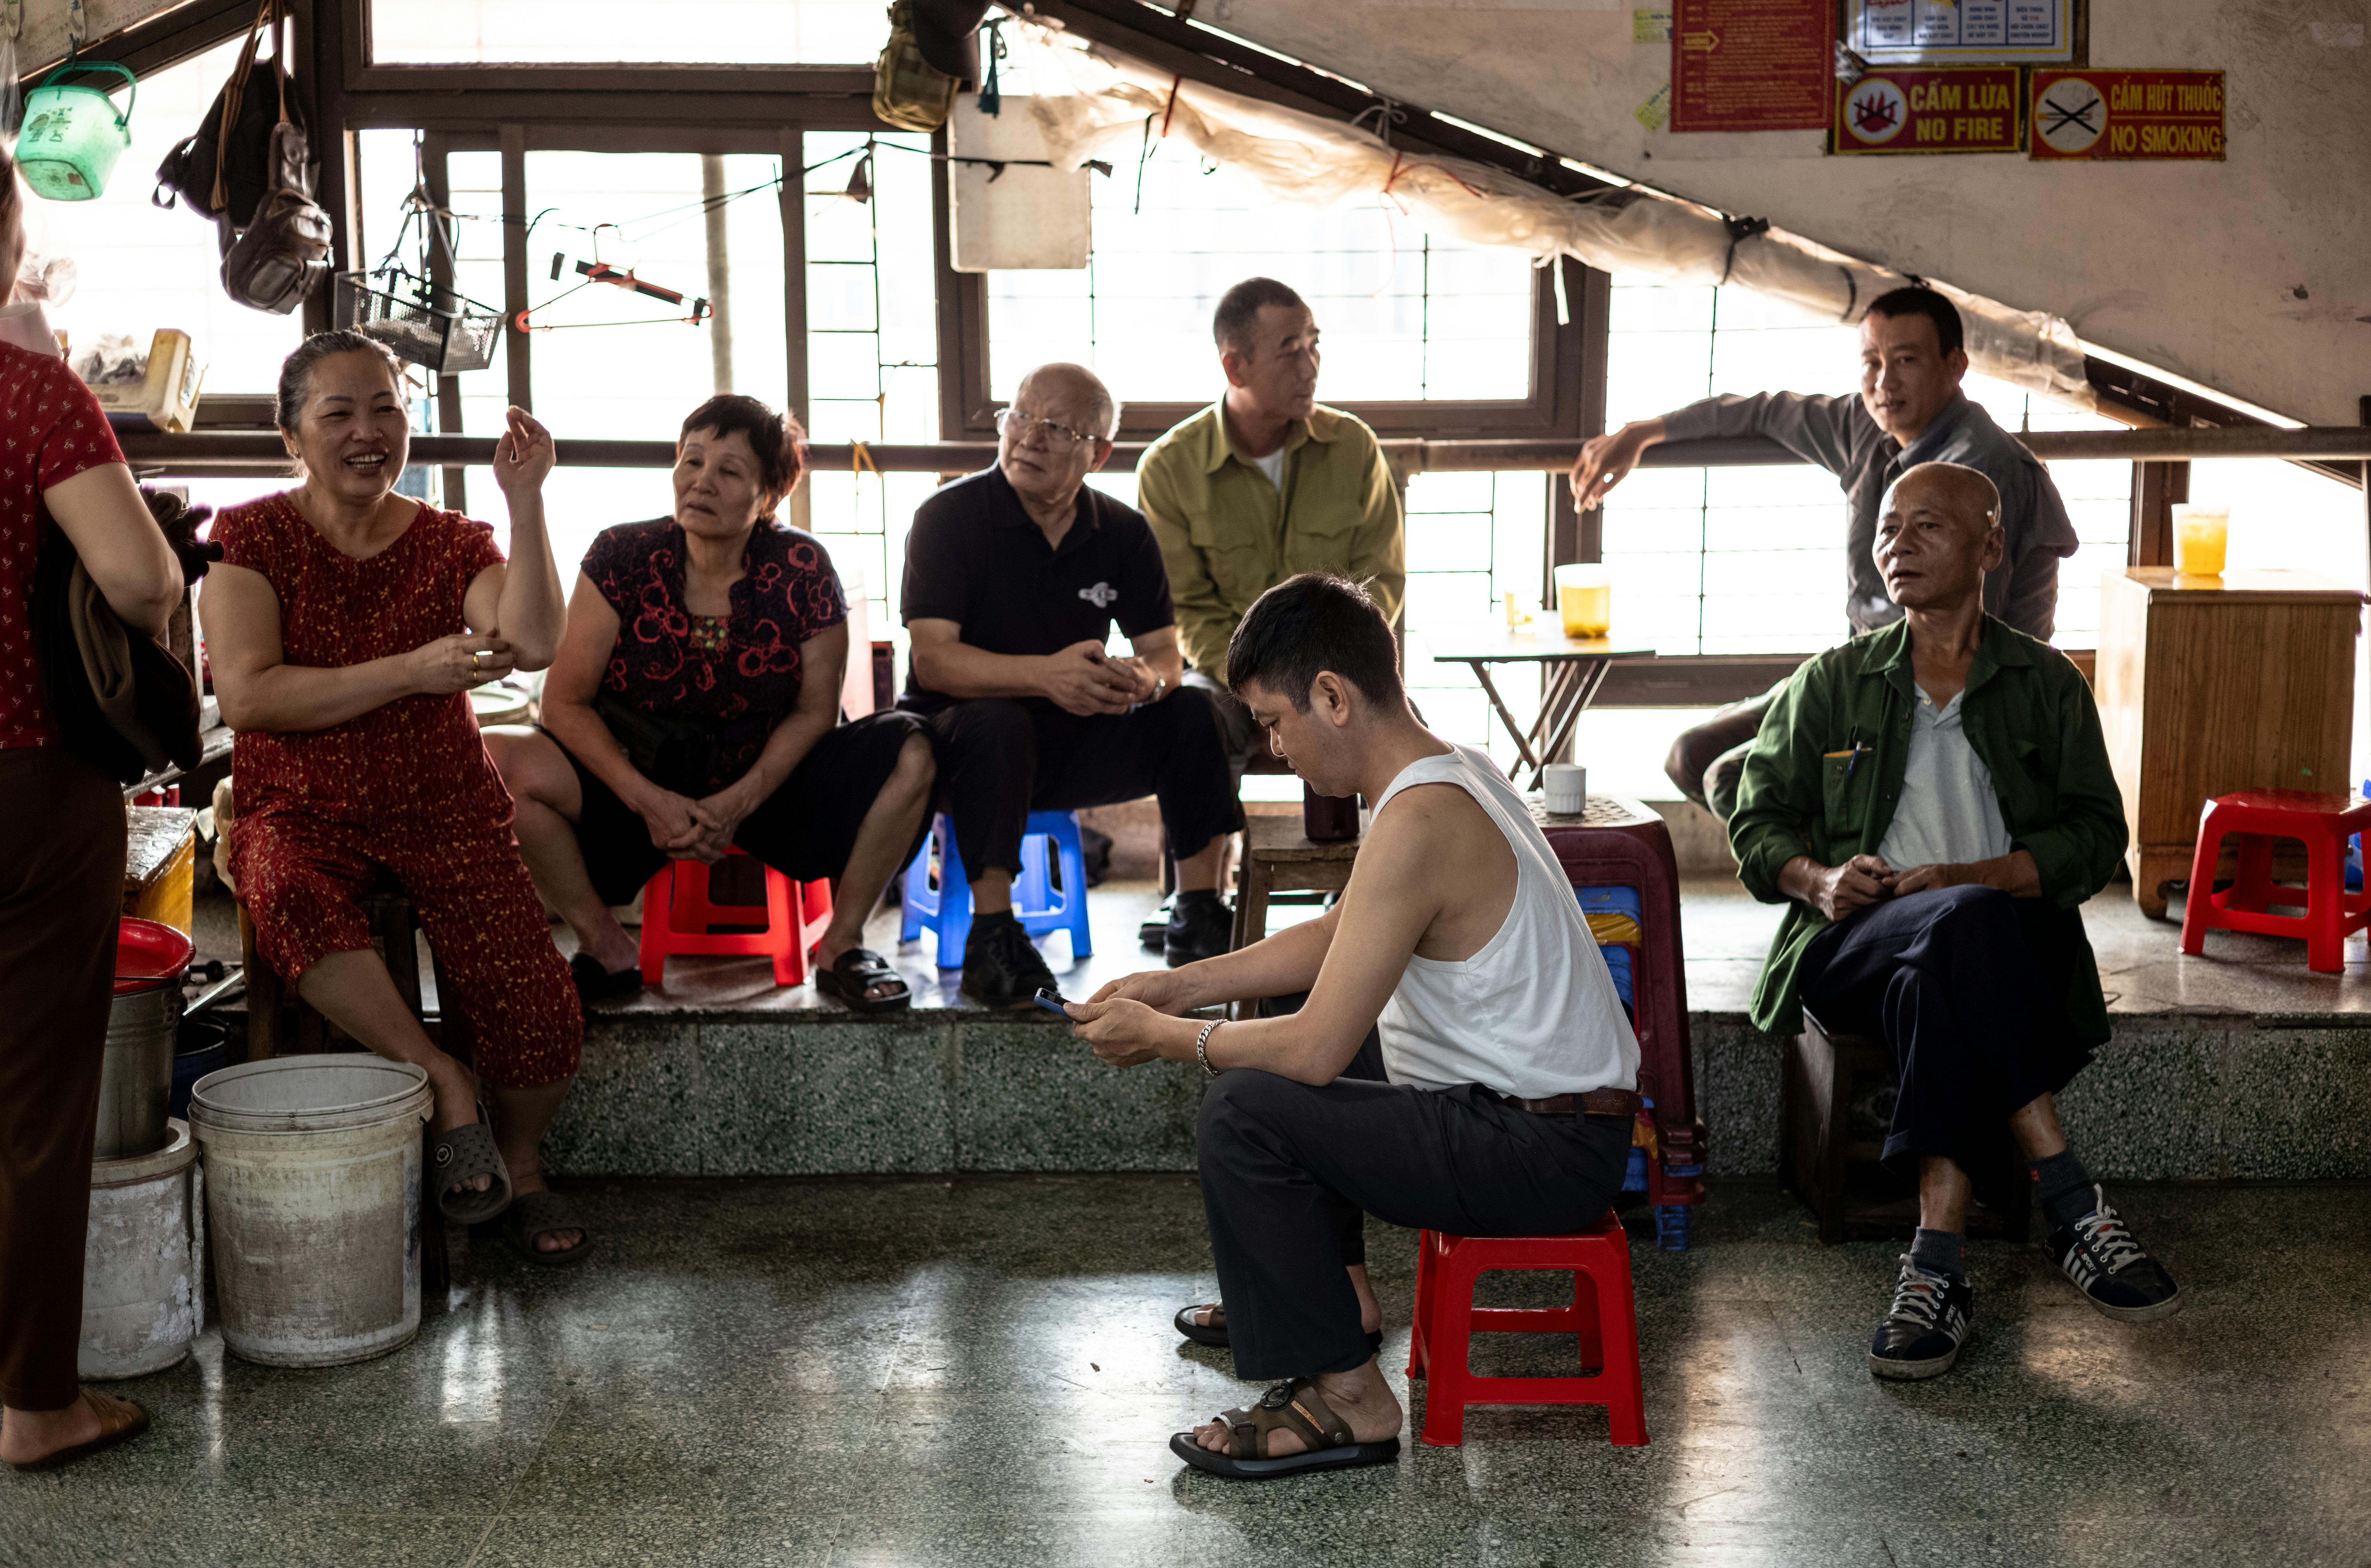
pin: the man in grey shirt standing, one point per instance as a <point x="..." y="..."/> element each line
<point x="1910" y="411"/>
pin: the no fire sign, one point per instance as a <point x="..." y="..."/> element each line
<point x="2150" y="115"/>
<point x="1962" y="109"/>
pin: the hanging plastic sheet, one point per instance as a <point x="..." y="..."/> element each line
<point x="1112" y="98"/>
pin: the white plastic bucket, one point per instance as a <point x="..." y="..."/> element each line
<point x="313" y="1186"/>
<point x="144" y="1266"/>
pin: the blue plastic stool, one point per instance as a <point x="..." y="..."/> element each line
<point x="943" y="907"/>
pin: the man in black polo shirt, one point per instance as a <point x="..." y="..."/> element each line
<point x="1014" y="576"/>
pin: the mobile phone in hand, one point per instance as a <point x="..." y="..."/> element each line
<point x="1052" y="1001"/>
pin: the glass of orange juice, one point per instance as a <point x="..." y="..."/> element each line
<point x="2200" y="537"/>
<point x="1585" y="599"/>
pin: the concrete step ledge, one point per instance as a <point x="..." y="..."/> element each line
<point x="2170" y="1097"/>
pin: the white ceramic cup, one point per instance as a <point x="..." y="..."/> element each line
<point x="1568" y="788"/>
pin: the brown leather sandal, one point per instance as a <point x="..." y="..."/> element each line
<point x="1295" y="1407"/>
<point x="120" y="1420"/>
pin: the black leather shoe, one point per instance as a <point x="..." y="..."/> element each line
<point x="999" y="965"/>
<point x="1200" y="927"/>
<point x="594" y="983"/>
<point x="1930" y="1320"/>
<point x="1154" y="931"/>
<point x="2107" y="1266"/>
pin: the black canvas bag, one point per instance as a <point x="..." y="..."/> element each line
<point x="224" y="171"/>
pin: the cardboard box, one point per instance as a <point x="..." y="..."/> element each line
<point x="167" y="399"/>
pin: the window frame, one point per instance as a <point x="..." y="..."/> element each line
<point x="1563" y="400"/>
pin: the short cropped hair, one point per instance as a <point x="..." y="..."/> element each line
<point x="776" y="439"/>
<point x="1310" y="624"/>
<point x="1239" y="309"/>
<point x="1924" y="302"/>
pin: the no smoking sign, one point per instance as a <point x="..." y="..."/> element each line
<point x="2140" y="115"/>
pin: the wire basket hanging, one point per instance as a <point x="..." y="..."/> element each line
<point x="432" y="326"/>
<point x="420" y="319"/>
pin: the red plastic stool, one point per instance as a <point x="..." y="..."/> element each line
<point x="677" y="915"/>
<point x="2323" y="823"/>
<point x="1603" y="1317"/>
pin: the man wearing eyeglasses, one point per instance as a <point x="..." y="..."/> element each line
<point x="1265" y="483"/>
<point x="1014" y="577"/>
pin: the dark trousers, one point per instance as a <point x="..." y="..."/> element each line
<point x="1950" y="982"/>
<point x="1001" y="757"/>
<point x="1285" y="1166"/>
<point x="1367" y="1066"/>
<point x="61" y="892"/>
<point x="1238" y="731"/>
<point x="1708" y="762"/>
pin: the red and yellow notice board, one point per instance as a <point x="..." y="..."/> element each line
<point x="1751" y="64"/>
<point x="2127" y="115"/>
<point x="1965" y="110"/>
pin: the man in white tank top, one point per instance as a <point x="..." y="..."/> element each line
<point x="1512" y="1070"/>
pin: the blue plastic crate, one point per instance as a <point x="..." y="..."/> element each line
<point x="1621" y="900"/>
<point x="1617" y="962"/>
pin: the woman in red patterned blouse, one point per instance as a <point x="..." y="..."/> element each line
<point x="695" y="706"/>
<point x="61" y="884"/>
<point x="346" y="627"/>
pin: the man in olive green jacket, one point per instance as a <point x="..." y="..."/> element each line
<point x="1935" y="802"/>
<point x="1266" y="483"/>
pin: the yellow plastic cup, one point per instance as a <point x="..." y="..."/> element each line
<point x="2201" y="537"/>
<point x="1585" y="599"/>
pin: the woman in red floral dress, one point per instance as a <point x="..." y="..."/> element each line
<point x="345" y="627"/>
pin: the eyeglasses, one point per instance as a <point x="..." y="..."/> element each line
<point x="1059" y="438"/>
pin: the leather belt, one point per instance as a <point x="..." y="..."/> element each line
<point x="1596" y="1102"/>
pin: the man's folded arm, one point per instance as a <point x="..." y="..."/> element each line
<point x="2076" y="855"/>
<point x="1205" y="624"/>
<point x="1780" y="792"/>
<point x="1379" y="545"/>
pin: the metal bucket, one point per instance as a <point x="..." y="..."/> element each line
<point x="136" y="1084"/>
<point x="313" y="1187"/>
<point x="143" y="1294"/>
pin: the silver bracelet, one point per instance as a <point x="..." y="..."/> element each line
<point x="1202" y="1045"/>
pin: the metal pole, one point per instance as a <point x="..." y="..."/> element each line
<point x="719" y="271"/>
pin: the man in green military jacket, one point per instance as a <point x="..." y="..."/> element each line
<point x="1933" y="800"/>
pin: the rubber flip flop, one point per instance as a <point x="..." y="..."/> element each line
<point x="108" y="1437"/>
<point x="857" y="972"/>
<point x="458" y="1155"/>
<point x="538" y="1214"/>
<point x="1350" y="1456"/>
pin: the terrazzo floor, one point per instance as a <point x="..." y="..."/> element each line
<point x="982" y="1373"/>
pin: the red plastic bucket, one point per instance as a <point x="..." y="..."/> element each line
<point x="149" y="955"/>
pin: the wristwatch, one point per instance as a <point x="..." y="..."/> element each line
<point x="1159" y="684"/>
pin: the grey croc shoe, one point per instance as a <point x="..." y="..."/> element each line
<point x="458" y="1155"/>
<point x="540" y="1213"/>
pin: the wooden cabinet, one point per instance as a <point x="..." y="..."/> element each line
<point x="2208" y="685"/>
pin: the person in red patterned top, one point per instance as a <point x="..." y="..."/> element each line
<point x="346" y="627"/>
<point x="695" y="707"/>
<point x="61" y="884"/>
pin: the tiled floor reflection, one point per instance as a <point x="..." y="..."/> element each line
<point x="980" y="1373"/>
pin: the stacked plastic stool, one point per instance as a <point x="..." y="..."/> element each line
<point x="1618" y="857"/>
<point x="1602" y="1319"/>
<point x="2324" y="824"/>
<point x="937" y="897"/>
<point x="678" y="917"/>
